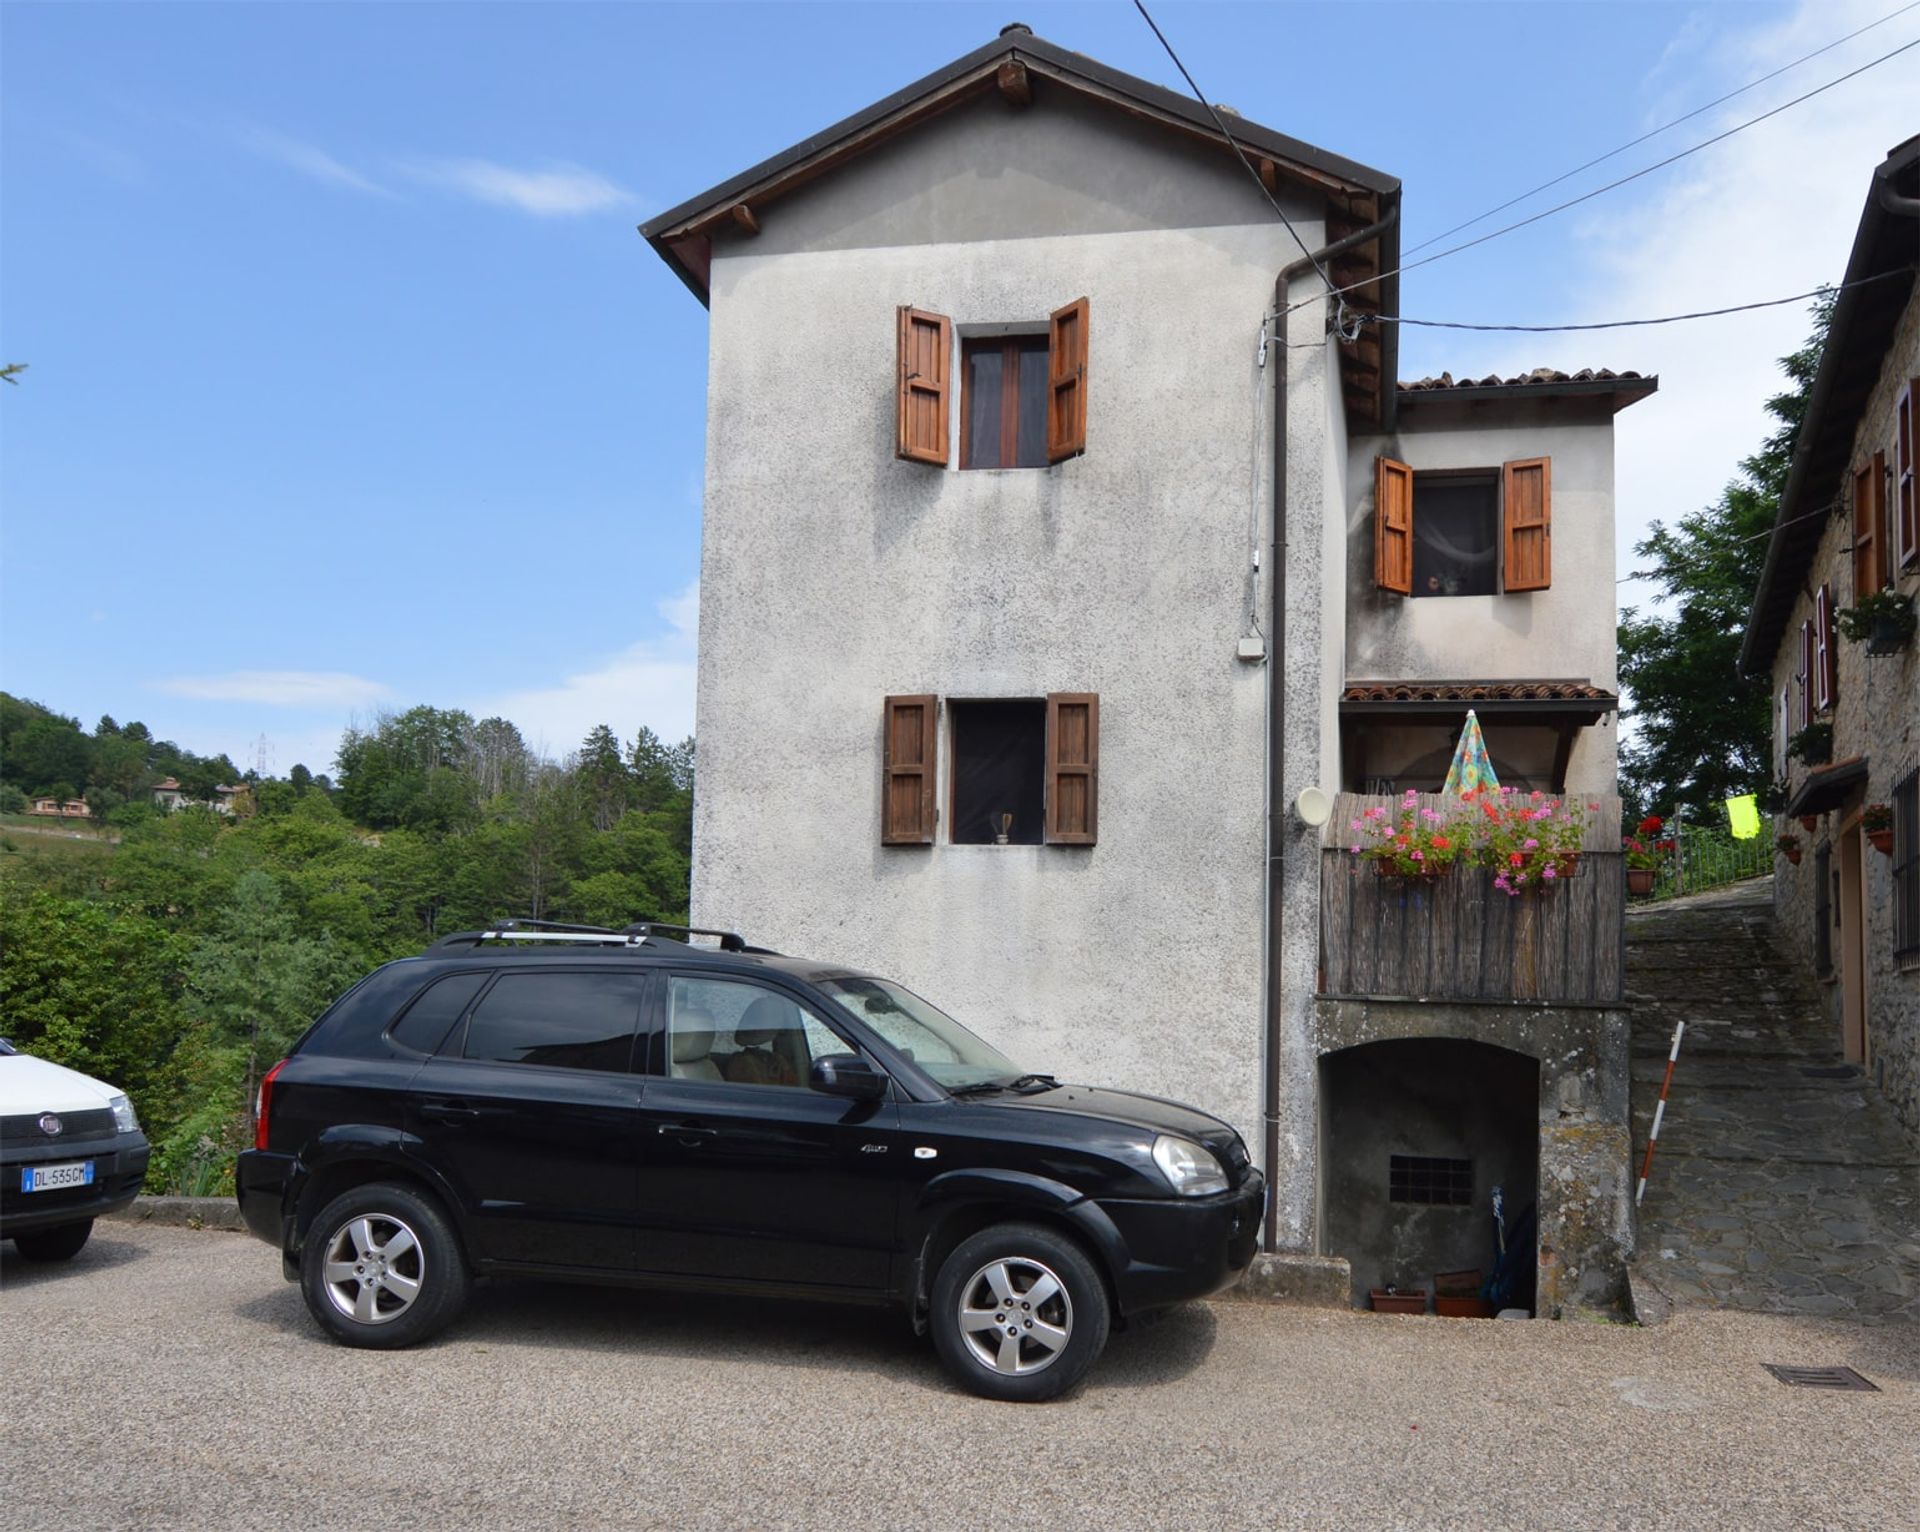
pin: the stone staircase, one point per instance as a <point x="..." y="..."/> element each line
<point x="1782" y="1181"/>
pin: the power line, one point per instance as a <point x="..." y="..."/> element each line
<point x="1561" y="207"/>
<point x="1823" y="510"/>
<point x="1200" y="96"/>
<point x="1656" y="132"/>
<point x="1624" y="324"/>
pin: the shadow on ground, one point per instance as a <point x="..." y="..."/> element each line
<point x="775" y="1332"/>
<point x="99" y="1253"/>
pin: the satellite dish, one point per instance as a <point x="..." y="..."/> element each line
<point x="1313" y="806"/>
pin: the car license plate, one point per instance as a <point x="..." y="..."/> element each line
<point x="53" y="1178"/>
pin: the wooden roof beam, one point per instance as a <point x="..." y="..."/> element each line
<point x="1015" y="86"/>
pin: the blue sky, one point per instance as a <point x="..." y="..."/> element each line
<point x="352" y="385"/>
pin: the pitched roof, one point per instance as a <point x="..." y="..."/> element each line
<point x="1356" y="195"/>
<point x="1864" y="319"/>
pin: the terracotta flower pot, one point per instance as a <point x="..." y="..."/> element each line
<point x="1386" y="1301"/>
<point x="1809" y="822"/>
<point x="1792" y="854"/>
<point x="1640" y="879"/>
<point x="1882" y="841"/>
<point x="1461" y="1306"/>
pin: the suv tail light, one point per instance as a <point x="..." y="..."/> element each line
<point x="263" y="1105"/>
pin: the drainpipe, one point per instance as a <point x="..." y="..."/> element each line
<point x="1277" y="807"/>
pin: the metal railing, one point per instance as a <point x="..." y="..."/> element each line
<point x="1708" y="859"/>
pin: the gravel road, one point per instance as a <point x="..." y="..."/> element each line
<point x="169" y="1378"/>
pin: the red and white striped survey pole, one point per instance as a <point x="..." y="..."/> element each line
<point x="1659" y="1112"/>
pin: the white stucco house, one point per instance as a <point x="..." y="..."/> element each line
<point x="1060" y="530"/>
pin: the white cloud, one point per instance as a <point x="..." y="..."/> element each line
<point x="560" y="191"/>
<point x="278" y="688"/>
<point x="1769" y="212"/>
<point x="650" y="682"/>
<point x="311" y="161"/>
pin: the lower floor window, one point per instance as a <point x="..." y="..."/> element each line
<point x="1435" y="1182"/>
<point x="1906" y="866"/>
<point x="999" y="768"/>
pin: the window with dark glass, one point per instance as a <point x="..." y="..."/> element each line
<point x="1906" y="866"/>
<point x="999" y="772"/>
<point x="431" y="1017"/>
<point x="1003" y="402"/>
<point x="567" y="1020"/>
<point x="1434" y="1182"/>
<point x="1456" y="535"/>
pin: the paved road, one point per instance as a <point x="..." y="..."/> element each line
<point x="169" y="1378"/>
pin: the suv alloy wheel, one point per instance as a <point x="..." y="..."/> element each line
<point x="382" y="1267"/>
<point x="1019" y="1313"/>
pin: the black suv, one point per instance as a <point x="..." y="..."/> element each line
<point x="625" y="1107"/>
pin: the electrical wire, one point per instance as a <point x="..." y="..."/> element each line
<point x="1829" y="509"/>
<point x="1656" y="132"/>
<point x="1561" y="207"/>
<point x="1232" y="142"/>
<point x="1624" y="324"/>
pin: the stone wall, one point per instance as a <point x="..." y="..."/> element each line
<point x="1584" y="1173"/>
<point x="1876" y="715"/>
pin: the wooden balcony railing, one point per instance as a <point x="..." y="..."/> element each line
<point x="1460" y="938"/>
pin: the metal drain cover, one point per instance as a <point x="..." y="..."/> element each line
<point x="1821" y="1377"/>
<point x="1832" y="1072"/>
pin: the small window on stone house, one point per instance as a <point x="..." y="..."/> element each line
<point x="1906" y="485"/>
<point x="1463" y="533"/>
<point x="1023" y="396"/>
<point x="1906" y="867"/>
<point x="1021" y="771"/>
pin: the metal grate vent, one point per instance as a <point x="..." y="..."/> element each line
<point x="1821" y="1377"/>
<point x="1441" y="1183"/>
<point x="1832" y="1072"/>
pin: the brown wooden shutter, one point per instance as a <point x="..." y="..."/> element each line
<point x="1906" y="491"/>
<point x="1527" y="499"/>
<point x="1393" y="526"/>
<point x="1073" y="768"/>
<point x="1804" y="680"/>
<point x="926" y="355"/>
<point x="1866" y="560"/>
<point x="1826" y="667"/>
<point x="907" y="780"/>
<point x="1067" y="381"/>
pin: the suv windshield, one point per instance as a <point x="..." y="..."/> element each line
<point x="933" y="1040"/>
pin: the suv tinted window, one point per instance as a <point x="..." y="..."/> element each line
<point x="428" y="1020"/>
<point x="571" y="1020"/>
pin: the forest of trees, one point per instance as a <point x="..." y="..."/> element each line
<point x="179" y="954"/>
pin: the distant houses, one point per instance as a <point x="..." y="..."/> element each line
<point x="168" y="794"/>
<point x="59" y="808"/>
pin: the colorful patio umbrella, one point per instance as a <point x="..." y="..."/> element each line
<point x="1471" y="770"/>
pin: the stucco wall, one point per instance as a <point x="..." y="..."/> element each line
<point x="833" y="574"/>
<point x="1877" y="715"/>
<point x="1566" y="632"/>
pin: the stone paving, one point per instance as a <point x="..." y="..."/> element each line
<point x="1782" y="1182"/>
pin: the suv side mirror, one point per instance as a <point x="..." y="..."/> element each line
<point x="849" y="1075"/>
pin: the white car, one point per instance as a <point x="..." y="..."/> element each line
<point x="71" y="1150"/>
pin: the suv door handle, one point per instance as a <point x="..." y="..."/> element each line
<point x="448" y="1111"/>
<point x="686" y="1132"/>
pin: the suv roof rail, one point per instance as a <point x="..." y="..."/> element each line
<point x="640" y="933"/>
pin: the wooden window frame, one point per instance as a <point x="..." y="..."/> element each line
<point x="1089" y="769"/>
<point x="1067" y="354"/>
<point x="1872" y="549"/>
<point x="1393" y="544"/>
<point x="911" y="383"/>
<point x="1803" y="679"/>
<point x="1825" y="657"/>
<point x="1010" y="348"/>
<point x="1906" y="490"/>
<point x="1512" y="530"/>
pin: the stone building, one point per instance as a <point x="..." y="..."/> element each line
<point x="1847" y="711"/>
<point x="1046" y="602"/>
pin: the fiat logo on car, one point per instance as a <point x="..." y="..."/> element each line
<point x="50" y="1125"/>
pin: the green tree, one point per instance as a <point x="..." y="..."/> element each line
<point x="1700" y="728"/>
<point x="603" y="777"/>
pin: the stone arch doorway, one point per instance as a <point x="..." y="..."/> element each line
<point x="1414" y="1136"/>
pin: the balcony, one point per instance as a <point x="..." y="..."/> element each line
<point x="1459" y="938"/>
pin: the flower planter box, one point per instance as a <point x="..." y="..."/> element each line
<point x="1387" y="1301"/>
<point x="1640" y="880"/>
<point x="1460" y="1306"/>
<point x="1889" y="636"/>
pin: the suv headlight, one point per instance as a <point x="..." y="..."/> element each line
<point x="123" y="1119"/>
<point x="1189" y="1169"/>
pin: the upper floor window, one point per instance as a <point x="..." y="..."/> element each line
<point x="1020" y="771"/>
<point x="1463" y="533"/>
<point x="1023" y="398"/>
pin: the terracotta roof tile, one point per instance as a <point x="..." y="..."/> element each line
<point x="1538" y="375"/>
<point x="1476" y="691"/>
